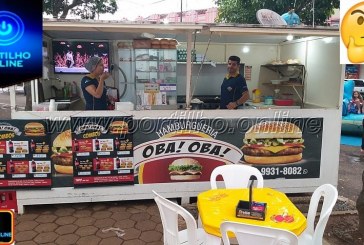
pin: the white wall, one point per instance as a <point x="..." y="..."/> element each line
<point x="259" y="54"/>
<point x="210" y="78"/>
<point x="293" y="50"/>
<point x="215" y="51"/>
<point x="207" y="83"/>
<point x="323" y="70"/>
<point x="324" y="76"/>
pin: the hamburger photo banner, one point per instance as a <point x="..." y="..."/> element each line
<point x="288" y="148"/>
<point x="187" y="147"/>
<point x="24" y="154"/>
<point x="102" y="151"/>
<point x="62" y="155"/>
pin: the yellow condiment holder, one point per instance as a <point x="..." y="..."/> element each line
<point x="256" y="95"/>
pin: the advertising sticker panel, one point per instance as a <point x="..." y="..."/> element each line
<point x="24" y="154"/>
<point x="187" y="148"/>
<point x="102" y="151"/>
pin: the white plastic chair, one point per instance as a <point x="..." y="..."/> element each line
<point x="236" y="176"/>
<point x="252" y="234"/>
<point x="169" y="212"/>
<point x="313" y="235"/>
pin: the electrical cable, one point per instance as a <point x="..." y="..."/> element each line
<point x="125" y="79"/>
<point x="202" y="63"/>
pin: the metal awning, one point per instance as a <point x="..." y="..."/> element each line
<point x="112" y="30"/>
<point x="224" y="33"/>
<point x="276" y="30"/>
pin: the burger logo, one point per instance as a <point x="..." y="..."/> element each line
<point x="62" y="153"/>
<point x="185" y="169"/>
<point x="118" y="127"/>
<point x="273" y="142"/>
<point x="34" y="129"/>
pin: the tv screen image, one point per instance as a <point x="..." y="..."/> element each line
<point x="71" y="56"/>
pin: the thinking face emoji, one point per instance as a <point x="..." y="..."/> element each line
<point x="352" y="32"/>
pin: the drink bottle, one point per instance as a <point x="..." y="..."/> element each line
<point x="97" y="145"/>
<point x="117" y="143"/>
<point x="34" y="166"/>
<point x="76" y="145"/>
<point x="118" y="162"/>
<point x="32" y="145"/>
<point x="77" y="164"/>
<point x="12" y="169"/>
<point x="11" y="146"/>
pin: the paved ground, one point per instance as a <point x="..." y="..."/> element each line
<point x="136" y="222"/>
<point x="109" y="223"/>
<point x="5" y="103"/>
<point x="350" y="171"/>
<point x="343" y="229"/>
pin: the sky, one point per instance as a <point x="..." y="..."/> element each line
<point x="131" y="9"/>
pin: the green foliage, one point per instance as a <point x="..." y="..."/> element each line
<point x="86" y="9"/>
<point x="244" y="11"/>
<point x="91" y="10"/>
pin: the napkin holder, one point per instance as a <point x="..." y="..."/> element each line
<point x="250" y="209"/>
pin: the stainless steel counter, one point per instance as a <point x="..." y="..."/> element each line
<point x="250" y="105"/>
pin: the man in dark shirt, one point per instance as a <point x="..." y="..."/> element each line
<point x="234" y="91"/>
<point x="362" y="143"/>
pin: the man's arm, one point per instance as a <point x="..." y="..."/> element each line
<point x="244" y="97"/>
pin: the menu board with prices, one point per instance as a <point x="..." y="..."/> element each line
<point x="24" y="154"/>
<point x="102" y="151"/>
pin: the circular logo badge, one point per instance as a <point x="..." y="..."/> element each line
<point x="11" y="28"/>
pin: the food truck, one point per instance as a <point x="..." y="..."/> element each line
<point x="164" y="131"/>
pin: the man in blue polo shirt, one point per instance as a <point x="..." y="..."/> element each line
<point x="291" y="18"/>
<point x="234" y="91"/>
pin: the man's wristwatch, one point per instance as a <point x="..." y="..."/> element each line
<point x="237" y="104"/>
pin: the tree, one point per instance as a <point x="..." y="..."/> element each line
<point x="89" y="10"/>
<point x="86" y="9"/>
<point x="244" y="11"/>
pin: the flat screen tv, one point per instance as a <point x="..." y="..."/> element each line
<point x="70" y="56"/>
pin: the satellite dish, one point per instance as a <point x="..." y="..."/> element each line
<point x="269" y="17"/>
